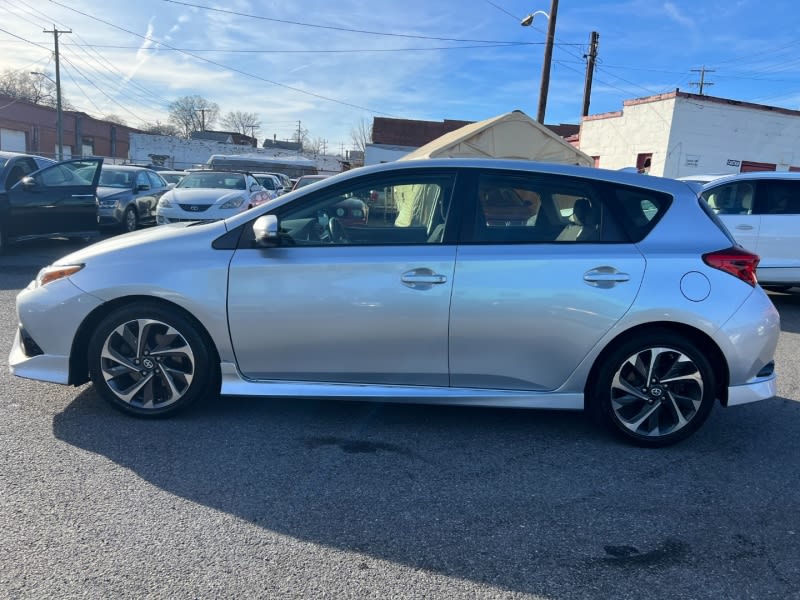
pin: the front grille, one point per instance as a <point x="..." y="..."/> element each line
<point x="195" y="207"/>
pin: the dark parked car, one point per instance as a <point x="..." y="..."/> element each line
<point x="128" y="196"/>
<point x="16" y="165"/>
<point x="59" y="199"/>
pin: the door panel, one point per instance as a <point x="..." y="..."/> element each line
<point x="341" y="313"/>
<point x="524" y="316"/>
<point x="60" y="198"/>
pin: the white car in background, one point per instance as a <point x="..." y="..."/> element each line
<point x="271" y="183"/>
<point x="762" y="211"/>
<point x="210" y="196"/>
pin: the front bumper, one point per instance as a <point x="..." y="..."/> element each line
<point x="49" y="316"/>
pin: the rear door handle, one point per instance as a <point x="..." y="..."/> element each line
<point x="605" y="277"/>
<point x="82" y="196"/>
<point x="744" y="227"/>
<point x="422" y="278"/>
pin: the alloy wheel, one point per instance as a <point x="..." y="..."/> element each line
<point x="656" y="392"/>
<point x="147" y="363"/>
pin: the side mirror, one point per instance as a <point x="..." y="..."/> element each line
<point x="266" y="233"/>
<point x="171" y="185"/>
<point x="28" y="183"/>
<point x="142" y="187"/>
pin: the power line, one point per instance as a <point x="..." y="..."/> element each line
<point x="226" y="67"/>
<point x="330" y="27"/>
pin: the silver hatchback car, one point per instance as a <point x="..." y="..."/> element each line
<point x="483" y="282"/>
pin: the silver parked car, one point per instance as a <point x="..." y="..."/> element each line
<point x="498" y="283"/>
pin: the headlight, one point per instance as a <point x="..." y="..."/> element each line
<point x="108" y="203"/>
<point x="233" y="203"/>
<point x="54" y="273"/>
<point x="164" y="202"/>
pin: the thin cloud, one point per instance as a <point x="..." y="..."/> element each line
<point x="674" y="14"/>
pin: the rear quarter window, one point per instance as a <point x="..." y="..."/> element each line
<point x="638" y="210"/>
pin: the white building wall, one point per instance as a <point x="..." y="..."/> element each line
<point x="691" y="136"/>
<point x="711" y="137"/>
<point x="375" y="154"/>
<point x="181" y="153"/>
<point x="618" y="138"/>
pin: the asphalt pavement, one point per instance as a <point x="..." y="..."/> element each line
<point x="245" y="498"/>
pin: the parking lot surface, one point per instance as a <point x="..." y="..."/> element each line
<point x="243" y="498"/>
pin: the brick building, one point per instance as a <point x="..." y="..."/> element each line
<point x="28" y="127"/>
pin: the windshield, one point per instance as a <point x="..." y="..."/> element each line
<point x="217" y="180"/>
<point x="116" y="178"/>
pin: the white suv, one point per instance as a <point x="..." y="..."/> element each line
<point x="762" y="211"/>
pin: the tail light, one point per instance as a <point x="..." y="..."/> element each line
<point x="735" y="260"/>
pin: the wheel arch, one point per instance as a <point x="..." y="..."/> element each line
<point x="707" y="345"/>
<point x="79" y="358"/>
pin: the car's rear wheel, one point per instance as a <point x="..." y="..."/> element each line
<point x="150" y="360"/>
<point x="655" y="391"/>
<point x="130" y="220"/>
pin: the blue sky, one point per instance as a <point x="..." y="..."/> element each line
<point x="291" y="61"/>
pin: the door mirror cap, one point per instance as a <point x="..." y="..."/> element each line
<point x="27" y="182"/>
<point x="266" y="232"/>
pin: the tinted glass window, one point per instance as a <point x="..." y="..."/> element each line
<point x="405" y="209"/>
<point x="731" y="198"/>
<point x="536" y="208"/>
<point x="155" y="180"/>
<point x="782" y="197"/>
<point x="71" y="173"/>
<point x="141" y="179"/>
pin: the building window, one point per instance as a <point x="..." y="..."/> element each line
<point x="596" y="160"/>
<point x="643" y="162"/>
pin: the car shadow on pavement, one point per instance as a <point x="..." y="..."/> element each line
<point x="531" y="501"/>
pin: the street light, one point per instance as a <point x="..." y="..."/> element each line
<point x="59" y="121"/>
<point x="548" y="54"/>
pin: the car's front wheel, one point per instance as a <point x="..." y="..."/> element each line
<point x="130" y="220"/>
<point x="654" y="391"/>
<point x="150" y="360"/>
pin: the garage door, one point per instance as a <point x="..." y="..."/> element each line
<point x="12" y="141"/>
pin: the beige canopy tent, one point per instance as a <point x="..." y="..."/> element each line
<point x="512" y="135"/>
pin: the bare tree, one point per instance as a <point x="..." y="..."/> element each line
<point x="246" y="123"/>
<point x="159" y="128"/>
<point x="316" y="145"/>
<point x="112" y="118"/>
<point x="192" y="113"/>
<point x="38" y="88"/>
<point x="361" y="134"/>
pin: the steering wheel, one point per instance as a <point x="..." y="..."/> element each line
<point x="338" y="232"/>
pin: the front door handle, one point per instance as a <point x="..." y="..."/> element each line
<point x="744" y="227"/>
<point x="82" y="196"/>
<point x="422" y="278"/>
<point x="605" y="277"/>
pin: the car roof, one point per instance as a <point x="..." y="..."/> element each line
<point x="653" y="182"/>
<point x="754" y="175"/>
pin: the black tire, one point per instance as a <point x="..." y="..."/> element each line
<point x="151" y="361"/>
<point x="654" y="390"/>
<point x="130" y="220"/>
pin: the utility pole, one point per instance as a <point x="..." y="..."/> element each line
<point x="202" y="112"/>
<point x="548" y="55"/>
<point x="703" y="81"/>
<point x="59" y="117"/>
<point x="299" y="136"/>
<point x="587" y="86"/>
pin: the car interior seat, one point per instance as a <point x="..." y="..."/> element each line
<point x="14" y="176"/>
<point x="586" y="215"/>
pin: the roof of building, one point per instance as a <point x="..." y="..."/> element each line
<point x="697" y="97"/>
